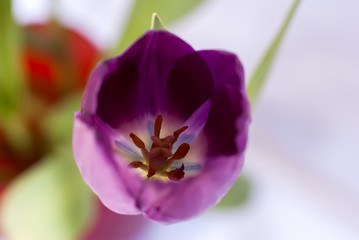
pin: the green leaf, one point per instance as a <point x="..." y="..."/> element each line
<point x="262" y="70"/>
<point x="237" y="196"/>
<point x="138" y="22"/>
<point x="9" y="69"/>
<point x="49" y="201"/>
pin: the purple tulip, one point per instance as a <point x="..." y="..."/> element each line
<point x="163" y="128"/>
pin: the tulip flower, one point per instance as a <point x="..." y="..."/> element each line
<point x="163" y="128"/>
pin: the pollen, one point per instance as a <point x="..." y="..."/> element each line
<point x="159" y="158"/>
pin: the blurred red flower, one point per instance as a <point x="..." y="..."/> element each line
<point x="56" y="60"/>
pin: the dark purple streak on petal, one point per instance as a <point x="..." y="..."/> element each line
<point x="225" y="67"/>
<point x="190" y="84"/>
<point x="117" y="96"/>
<point x="136" y="82"/>
<point x="230" y="113"/>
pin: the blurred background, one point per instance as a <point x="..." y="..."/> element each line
<point x="302" y="161"/>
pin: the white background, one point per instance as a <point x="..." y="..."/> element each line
<point x="303" y="155"/>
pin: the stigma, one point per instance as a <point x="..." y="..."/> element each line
<point x="160" y="157"/>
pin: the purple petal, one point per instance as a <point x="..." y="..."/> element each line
<point x="135" y="83"/>
<point x="225" y="67"/>
<point x="172" y="202"/>
<point x="195" y="124"/>
<point x="99" y="169"/>
<point x="229" y="117"/>
<point x="190" y="84"/>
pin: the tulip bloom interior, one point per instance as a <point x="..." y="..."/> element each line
<point x="160" y="157"/>
<point x="163" y="128"/>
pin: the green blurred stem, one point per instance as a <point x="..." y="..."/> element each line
<point x="9" y="60"/>
<point x="11" y="120"/>
<point x="260" y="74"/>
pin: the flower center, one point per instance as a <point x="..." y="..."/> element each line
<point x="160" y="157"/>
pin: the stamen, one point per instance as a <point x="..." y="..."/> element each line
<point x="141" y="145"/>
<point x="137" y="141"/>
<point x="177" y="174"/>
<point x="138" y="164"/>
<point x="158" y="123"/>
<point x="160" y="156"/>
<point x="178" y="132"/>
<point x="151" y="172"/>
<point x="181" y="151"/>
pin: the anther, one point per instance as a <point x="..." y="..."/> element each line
<point x="177" y="174"/>
<point x="181" y="151"/>
<point x="138" y="164"/>
<point x="141" y="145"/>
<point x="151" y="172"/>
<point x="178" y="132"/>
<point x="157" y="127"/>
<point x="137" y="141"/>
